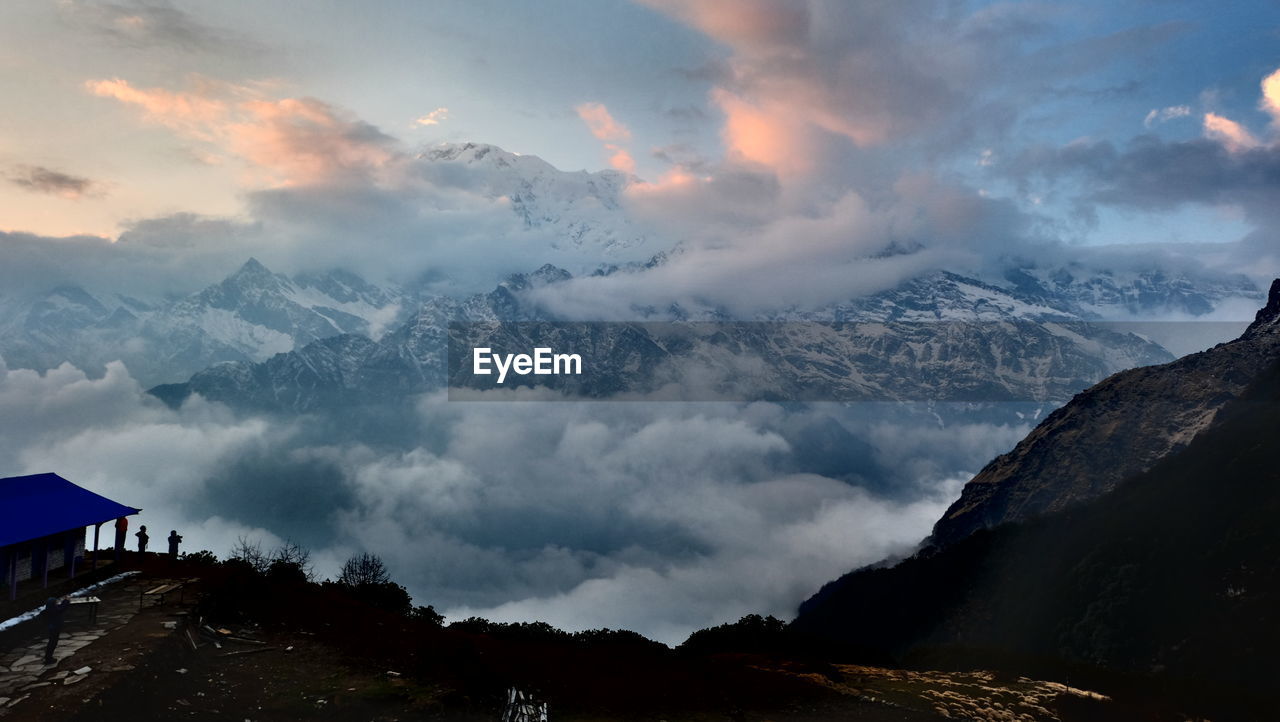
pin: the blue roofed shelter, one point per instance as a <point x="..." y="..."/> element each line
<point x="43" y="519"/>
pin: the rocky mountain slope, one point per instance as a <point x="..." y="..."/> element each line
<point x="1112" y="431"/>
<point x="1171" y="579"/>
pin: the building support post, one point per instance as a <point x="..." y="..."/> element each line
<point x="97" y="528"/>
<point x="69" y="554"/>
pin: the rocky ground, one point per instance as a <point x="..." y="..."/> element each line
<point x="974" y="695"/>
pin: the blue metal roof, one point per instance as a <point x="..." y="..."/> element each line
<point x="42" y="504"/>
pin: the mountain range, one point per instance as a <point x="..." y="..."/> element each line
<point x="943" y="336"/>
<point x="251" y="315"/>
<point x="254" y="314"/>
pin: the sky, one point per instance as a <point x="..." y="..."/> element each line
<point x="120" y="112"/>
<point x="788" y="154"/>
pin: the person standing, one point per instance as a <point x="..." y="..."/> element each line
<point x="174" y="541"/>
<point x="142" y="539"/>
<point x="122" y="529"/>
<point x="55" y="612"/>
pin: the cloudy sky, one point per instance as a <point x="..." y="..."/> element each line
<point x="793" y="149"/>
<point x="1082" y="122"/>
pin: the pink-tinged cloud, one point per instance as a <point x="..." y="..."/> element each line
<point x="622" y="160"/>
<point x="435" y="117"/>
<point x="768" y="136"/>
<point x="807" y="75"/>
<point x="602" y="124"/>
<point x="191" y="112"/>
<point x="1270" y="102"/>
<point x="742" y="23"/>
<point x="288" y="141"/>
<point x="303" y="140"/>
<point x="1233" y="136"/>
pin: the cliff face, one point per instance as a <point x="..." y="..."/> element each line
<point x="1112" y="431"/>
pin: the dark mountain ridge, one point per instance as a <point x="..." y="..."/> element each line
<point x="1172" y="577"/>
<point x="1116" y="429"/>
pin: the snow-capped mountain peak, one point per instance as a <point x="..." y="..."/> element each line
<point x="579" y="210"/>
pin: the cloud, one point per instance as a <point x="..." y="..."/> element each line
<point x="435" y="117"/>
<point x="619" y="506"/>
<point x="801" y="70"/>
<point x="773" y="137"/>
<point x="751" y="246"/>
<point x="830" y="93"/>
<point x="194" y="113"/>
<point x="1228" y="167"/>
<point x="152" y="23"/>
<point x="1233" y="136"/>
<point x="767" y="571"/>
<point x="601" y="123"/>
<point x="354" y="202"/>
<point x="661" y="518"/>
<point x="603" y="126"/>
<point x="152" y="258"/>
<point x="1270" y="102"/>
<point x="1164" y="115"/>
<point x="109" y="436"/>
<point x="292" y="141"/>
<point x="749" y="23"/>
<point x="838" y="122"/>
<point x="303" y="141"/>
<point x="622" y="160"/>
<point x="39" y="179"/>
<point x="1155" y="176"/>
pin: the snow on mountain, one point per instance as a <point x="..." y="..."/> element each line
<point x="260" y="313"/>
<point x="251" y="315"/>
<point x="578" y="210"/>
<point x="940" y="337"/>
<point x="945" y="296"/>
<point x="1143" y="292"/>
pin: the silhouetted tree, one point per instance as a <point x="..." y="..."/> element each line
<point x="250" y="553"/>
<point x="427" y="614"/>
<point x="289" y="556"/>
<point x="364" y="568"/>
<point x="752" y="633"/>
<point x="204" y="558"/>
<point x="290" y="560"/>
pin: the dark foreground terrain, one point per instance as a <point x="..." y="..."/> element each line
<point x="246" y="645"/>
